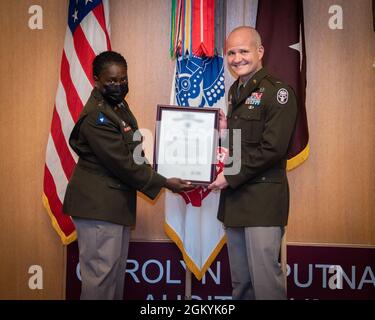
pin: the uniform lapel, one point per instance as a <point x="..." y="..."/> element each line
<point x="232" y="99"/>
<point x="251" y="85"/>
<point x="131" y="119"/>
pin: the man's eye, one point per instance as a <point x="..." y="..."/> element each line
<point x="244" y="51"/>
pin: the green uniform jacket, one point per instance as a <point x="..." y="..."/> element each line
<point x="106" y="177"/>
<point x="266" y="113"/>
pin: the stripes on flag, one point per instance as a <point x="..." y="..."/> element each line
<point x="203" y="15"/>
<point x="86" y="36"/>
<point x="192" y="28"/>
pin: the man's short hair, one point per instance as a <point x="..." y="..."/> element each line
<point x="257" y="38"/>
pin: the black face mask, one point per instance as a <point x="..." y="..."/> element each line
<point x="115" y="93"/>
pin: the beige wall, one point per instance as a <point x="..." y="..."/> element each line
<point x="29" y="66"/>
<point x="332" y="193"/>
<point x="140" y="30"/>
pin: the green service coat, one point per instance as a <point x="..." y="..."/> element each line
<point x="106" y="177"/>
<point x="258" y="195"/>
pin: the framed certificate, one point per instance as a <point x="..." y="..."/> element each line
<point x="186" y="142"/>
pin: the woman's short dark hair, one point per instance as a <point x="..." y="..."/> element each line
<point x="106" y="58"/>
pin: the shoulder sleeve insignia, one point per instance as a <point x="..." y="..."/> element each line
<point x="101" y="119"/>
<point x="282" y="96"/>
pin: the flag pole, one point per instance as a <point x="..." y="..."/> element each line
<point x="284" y="257"/>
<point x="187" y="284"/>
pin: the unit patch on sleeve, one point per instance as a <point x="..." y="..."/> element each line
<point x="282" y="96"/>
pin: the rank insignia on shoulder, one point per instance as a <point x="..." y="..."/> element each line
<point x="282" y="96"/>
<point x="101" y="119"/>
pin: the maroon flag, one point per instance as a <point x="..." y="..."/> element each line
<point x="280" y="24"/>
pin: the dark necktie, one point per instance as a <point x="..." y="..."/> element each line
<point x="240" y="90"/>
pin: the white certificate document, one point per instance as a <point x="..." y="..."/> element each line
<point x="186" y="141"/>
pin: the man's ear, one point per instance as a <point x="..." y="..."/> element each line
<point x="260" y="52"/>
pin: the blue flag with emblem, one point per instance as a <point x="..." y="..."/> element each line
<point x="190" y="217"/>
<point x="199" y="81"/>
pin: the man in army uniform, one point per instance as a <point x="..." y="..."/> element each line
<point x="254" y="202"/>
<point x="101" y="194"/>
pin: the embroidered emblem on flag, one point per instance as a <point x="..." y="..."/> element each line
<point x="197" y="75"/>
<point x="191" y="217"/>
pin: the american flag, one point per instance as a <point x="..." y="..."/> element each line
<point x="87" y="35"/>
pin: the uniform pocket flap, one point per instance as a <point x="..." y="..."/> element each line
<point x="117" y="185"/>
<point x="273" y="176"/>
<point x="253" y="114"/>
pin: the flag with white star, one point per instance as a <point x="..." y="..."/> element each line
<point x="280" y="24"/>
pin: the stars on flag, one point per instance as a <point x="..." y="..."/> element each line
<point x="75" y="14"/>
<point x="298" y="46"/>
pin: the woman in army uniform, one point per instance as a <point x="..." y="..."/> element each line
<point x="101" y="194"/>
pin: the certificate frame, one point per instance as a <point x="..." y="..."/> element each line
<point x="185" y="143"/>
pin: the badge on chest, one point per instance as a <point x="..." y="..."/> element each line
<point x="254" y="100"/>
<point x="126" y="126"/>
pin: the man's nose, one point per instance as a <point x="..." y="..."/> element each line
<point x="237" y="57"/>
